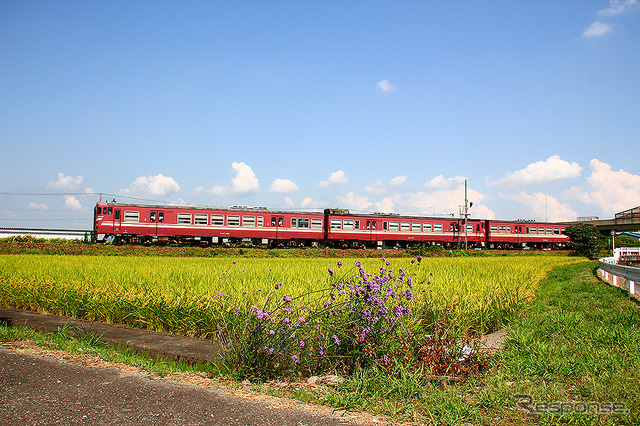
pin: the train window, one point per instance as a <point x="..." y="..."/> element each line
<point x="556" y="231"/>
<point x="503" y="229"/>
<point x="293" y="222"/>
<point x="152" y="216"/>
<point x="385" y="226"/>
<point x="356" y="224"/>
<point x="416" y="227"/>
<point x="316" y="223"/>
<point x="405" y="226"/>
<point x="130" y="216"/>
<point x="249" y="221"/>
<point x="260" y="221"/>
<point x="280" y="222"/>
<point x="368" y="224"/>
<point x="469" y="228"/>
<point x="373" y="225"/>
<point x="549" y="231"/>
<point x="200" y="219"/>
<point x="426" y="227"/>
<point x="562" y="231"/>
<point x="303" y="223"/>
<point x="217" y="219"/>
<point x="233" y="220"/>
<point x="347" y="224"/>
<point x="104" y="210"/>
<point x="161" y="217"/>
<point x="184" y="218"/>
<point x="98" y="210"/>
<point x="394" y="226"/>
<point x="478" y="228"/>
<point x="336" y="224"/>
<point x="273" y="221"/>
<point x="110" y="210"/>
<point x="117" y="215"/>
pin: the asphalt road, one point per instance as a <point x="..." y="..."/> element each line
<point x="43" y="390"/>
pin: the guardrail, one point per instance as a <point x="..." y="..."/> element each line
<point x="625" y="277"/>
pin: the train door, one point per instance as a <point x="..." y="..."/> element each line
<point x="156" y="217"/>
<point x="117" y="220"/>
<point x="371" y="226"/>
<point x="278" y="222"/>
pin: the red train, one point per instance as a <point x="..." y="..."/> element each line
<point x="141" y="223"/>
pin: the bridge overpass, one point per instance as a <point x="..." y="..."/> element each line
<point x="619" y="225"/>
<point x="628" y="220"/>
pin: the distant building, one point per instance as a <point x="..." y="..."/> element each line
<point x="628" y="214"/>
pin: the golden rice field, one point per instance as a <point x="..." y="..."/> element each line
<point x="187" y="295"/>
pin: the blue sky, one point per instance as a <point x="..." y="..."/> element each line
<point x="367" y="105"/>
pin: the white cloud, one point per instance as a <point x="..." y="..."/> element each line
<point x="158" y="185"/>
<point x="41" y="207"/>
<point x="353" y="201"/>
<point x="541" y="206"/>
<point x="386" y="87"/>
<point x="65" y="183"/>
<point x="439" y="182"/>
<point x="597" y="29"/>
<point x="71" y="203"/>
<point x="306" y="201"/>
<point x="552" y="169"/>
<point x="378" y="187"/>
<point x="442" y="202"/>
<point x="244" y="182"/>
<point x="283" y="185"/>
<point x="617" y="7"/>
<point x="336" y="178"/>
<point x="398" y="180"/>
<point x="608" y="190"/>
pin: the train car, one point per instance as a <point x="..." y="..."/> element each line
<point x="181" y="224"/>
<point x="390" y="230"/>
<point x="335" y="227"/>
<point x="526" y="234"/>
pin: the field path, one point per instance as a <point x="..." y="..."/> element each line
<point x="42" y="388"/>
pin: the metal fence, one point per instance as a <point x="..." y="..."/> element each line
<point x="625" y="277"/>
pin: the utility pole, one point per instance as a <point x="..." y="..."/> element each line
<point x="466" y="213"/>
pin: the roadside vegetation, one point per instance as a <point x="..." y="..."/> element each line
<point x="402" y="332"/>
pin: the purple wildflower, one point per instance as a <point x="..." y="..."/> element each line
<point x="301" y="343"/>
<point x="409" y="294"/>
<point x="336" y="340"/>
<point x="330" y="271"/>
<point x="272" y="332"/>
<point x="339" y="264"/>
<point x="286" y="298"/>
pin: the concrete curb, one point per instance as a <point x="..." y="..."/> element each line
<point x="157" y="345"/>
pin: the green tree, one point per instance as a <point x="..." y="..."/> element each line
<point x="584" y="240"/>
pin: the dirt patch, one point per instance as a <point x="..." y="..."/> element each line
<point x="228" y="387"/>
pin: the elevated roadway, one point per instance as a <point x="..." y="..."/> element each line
<point x="607" y="225"/>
